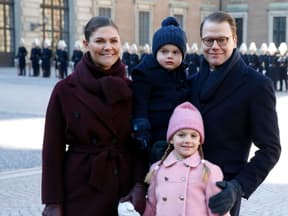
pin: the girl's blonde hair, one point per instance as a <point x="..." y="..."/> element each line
<point x="169" y="149"/>
<point x="206" y="170"/>
<point x="151" y="172"/>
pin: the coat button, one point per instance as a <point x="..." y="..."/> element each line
<point x="181" y="197"/>
<point x="115" y="172"/>
<point x="166" y="178"/>
<point x="183" y="179"/>
<point x="93" y="141"/>
<point x="164" y="199"/>
<point x="114" y="140"/>
<point x="76" y="115"/>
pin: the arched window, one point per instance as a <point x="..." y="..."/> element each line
<point x="6" y="33"/>
<point x="55" y="20"/>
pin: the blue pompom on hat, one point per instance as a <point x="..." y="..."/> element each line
<point x="169" y="33"/>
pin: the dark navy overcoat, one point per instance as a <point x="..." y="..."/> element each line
<point x="238" y="111"/>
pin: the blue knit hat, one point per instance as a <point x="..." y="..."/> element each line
<point x="169" y="33"/>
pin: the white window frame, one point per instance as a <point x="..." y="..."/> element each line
<point x="271" y="15"/>
<point x="179" y="8"/>
<point x="141" y="6"/>
<point x="244" y="16"/>
<point x="104" y="4"/>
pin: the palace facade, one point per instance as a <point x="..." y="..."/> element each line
<point x="258" y="20"/>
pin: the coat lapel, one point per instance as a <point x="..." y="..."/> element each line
<point x="233" y="80"/>
<point x="103" y="112"/>
<point x="99" y="90"/>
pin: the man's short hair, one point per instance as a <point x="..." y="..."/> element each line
<point x="219" y="17"/>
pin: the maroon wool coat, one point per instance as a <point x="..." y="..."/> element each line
<point x="90" y="117"/>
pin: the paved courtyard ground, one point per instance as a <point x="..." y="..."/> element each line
<point x="23" y="102"/>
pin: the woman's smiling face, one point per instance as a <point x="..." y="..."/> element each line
<point x="104" y="46"/>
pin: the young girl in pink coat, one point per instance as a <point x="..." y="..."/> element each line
<point x="182" y="182"/>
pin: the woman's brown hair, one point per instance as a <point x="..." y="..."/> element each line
<point x="97" y="22"/>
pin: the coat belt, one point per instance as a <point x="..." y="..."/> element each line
<point x="101" y="162"/>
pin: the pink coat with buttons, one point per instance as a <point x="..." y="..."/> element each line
<point x="177" y="187"/>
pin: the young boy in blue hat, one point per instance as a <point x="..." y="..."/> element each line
<point x="159" y="85"/>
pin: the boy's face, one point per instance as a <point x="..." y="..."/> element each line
<point x="169" y="56"/>
<point x="186" y="142"/>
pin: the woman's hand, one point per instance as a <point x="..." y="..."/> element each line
<point x="52" y="210"/>
<point x="137" y="197"/>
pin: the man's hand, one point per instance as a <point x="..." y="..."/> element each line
<point x="222" y="202"/>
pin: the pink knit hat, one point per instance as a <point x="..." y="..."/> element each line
<point x="184" y="116"/>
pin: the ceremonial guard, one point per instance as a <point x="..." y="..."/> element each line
<point x="77" y="53"/>
<point x="272" y="69"/>
<point x="62" y="59"/>
<point x="243" y="52"/>
<point x="192" y="59"/>
<point x="46" y="58"/>
<point x="35" y="57"/>
<point x="253" y="60"/>
<point x="134" y="58"/>
<point x="282" y="61"/>
<point x="21" y="57"/>
<point x="263" y="58"/>
<point x="126" y="56"/>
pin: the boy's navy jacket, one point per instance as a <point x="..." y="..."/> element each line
<point x="156" y="92"/>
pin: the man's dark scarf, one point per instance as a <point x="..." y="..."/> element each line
<point x="210" y="81"/>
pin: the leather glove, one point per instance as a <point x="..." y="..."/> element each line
<point x="222" y="202"/>
<point x="52" y="210"/>
<point x="141" y="134"/>
<point x="137" y="197"/>
<point x="157" y="151"/>
<point x="142" y="140"/>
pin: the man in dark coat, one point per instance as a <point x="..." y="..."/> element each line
<point x="282" y="65"/>
<point x="253" y="58"/>
<point x="192" y="59"/>
<point x="126" y="56"/>
<point x="62" y="59"/>
<point x="238" y="108"/>
<point x="133" y="59"/>
<point x="35" y="57"/>
<point x="21" y="55"/>
<point x="263" y="59"/>
<point x="46" y="58"/>
<point x="77" y="54"/>
<point x="272" y="66"/>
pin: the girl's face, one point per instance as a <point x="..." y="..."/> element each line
<point x="169" y="56"/>
<point x="186" y="142"/>
<point x="104" y="46"/>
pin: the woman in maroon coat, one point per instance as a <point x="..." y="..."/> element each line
<point x="88" y="162"/>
